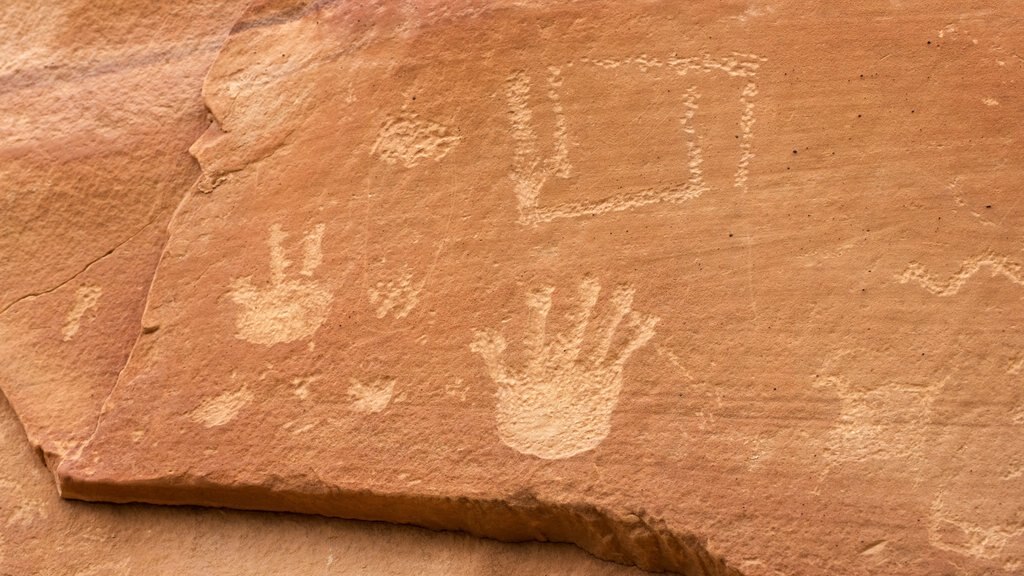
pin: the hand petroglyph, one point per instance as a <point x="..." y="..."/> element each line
<point x="560" y="402"/>
<point x="289" y="308"/>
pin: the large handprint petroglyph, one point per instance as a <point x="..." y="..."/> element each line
<point x="560" y="402"/>
<point x="289" y="308"/>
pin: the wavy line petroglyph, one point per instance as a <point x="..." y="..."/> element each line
<point x="409" y="140"/>
<point x="288" y="308"/>
<point x="86" y="299"/>
<point x="560" y="402"/>
<point x="997" y="266"/>
<point x="530" y="171"/>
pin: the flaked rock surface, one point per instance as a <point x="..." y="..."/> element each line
<point x="714" y="288"/>
<point x="99" y="103"/>
<point x="42" y="535"/>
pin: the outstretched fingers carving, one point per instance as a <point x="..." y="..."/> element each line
<point x="291" y="307"/>
<point x="559" y="402"/>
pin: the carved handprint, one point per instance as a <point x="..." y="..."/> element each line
<point x="289" y="308"/>
<point x="560" y="402"/>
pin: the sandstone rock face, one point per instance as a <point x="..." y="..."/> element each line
<point x="42" y="535"/>
<point x="98" y="105"/>
<point x="714" y="288"/>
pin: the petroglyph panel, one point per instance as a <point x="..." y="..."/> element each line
<point x="630" y="275"/>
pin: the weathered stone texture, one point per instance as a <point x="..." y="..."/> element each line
<point x="42" y="535"/>
<point x="715" y="287"/>
<point x="99" y="103"/>
<point x="712" y="287"/>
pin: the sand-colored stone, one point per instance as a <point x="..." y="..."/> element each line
<point x="42" y="535"/>
<point x="99" y="103"/>
<point x="709" y="287"/>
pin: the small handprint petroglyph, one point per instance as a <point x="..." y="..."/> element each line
<point x="560" y="401"/>
<point x="288" y="308"/>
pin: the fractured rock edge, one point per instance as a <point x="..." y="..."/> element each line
<point x="621" y="536"/>
<point x="617" y="536"/>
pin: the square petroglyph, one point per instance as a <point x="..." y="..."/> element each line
<point x="548" y="105"/>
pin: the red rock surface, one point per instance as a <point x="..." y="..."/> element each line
<point x="98" y="105"/>
<point x="713" y="288"/>
<point x="42" y="535"/>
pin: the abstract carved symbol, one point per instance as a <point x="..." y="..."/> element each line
<point x="398" y="296"/>
<point x="997" y="266"/>
<point x="531" y="171"/>
<point x="408" y="140"/>
<point x="85" y="300"/>
<point x="289" y="308"/>
<point x="560" y="402"/>
<point x="371" y="397"/>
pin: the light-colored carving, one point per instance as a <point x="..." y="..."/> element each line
<point x="954" y="533"/>
<point x="372" y="397"/>
<point x="398" y="296"/>
<point x="736" y="65"/>
<point x="121" y="568"/>
<point x="288" y="308"/>
<point x="221" y="409"/>
<point x="560" y="402"/>
<point x="86" y="299"/>
<point x="457" y="388"/>
<point x="996" y="265"/>
<point x="408" y="140"/>
<point x="302" y="384"/>
<point x="531" y="171"/>
<point x="1014" y="366"/>
<point x="884" y="422"/>
<point x="746" y="136"/>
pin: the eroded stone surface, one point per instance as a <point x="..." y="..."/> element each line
<point x="125" y="540"/>
<point x="99" y="103"/>
<point x="711" y="288"/>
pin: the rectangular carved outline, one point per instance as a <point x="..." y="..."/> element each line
<point x="530" y="171"/>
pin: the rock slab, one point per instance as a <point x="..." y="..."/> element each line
<point x="715" y="288"/>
